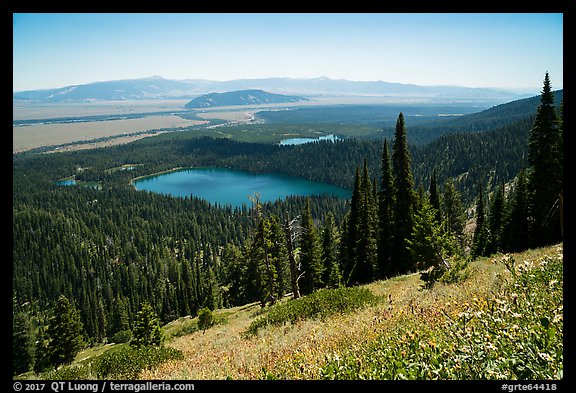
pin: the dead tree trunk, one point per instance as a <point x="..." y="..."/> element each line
<point x="291" y="230"/>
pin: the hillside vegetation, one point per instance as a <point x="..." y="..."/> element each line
<point x="240" y="97"/>
<point x="503" y="320"/>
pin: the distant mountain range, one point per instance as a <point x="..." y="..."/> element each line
<point x="159" y="88"/>
<point x="241" y="97"/>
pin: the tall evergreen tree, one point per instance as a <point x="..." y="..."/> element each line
<point x="516" y="226"/>
<point x="435" y="196"/>
<point x="234" y="276"/>
<point x="430" y="242"/>
<point x="120" y="321"/>
<point x="212" y="297"/>
<point x="404" y="199"/>
<point x="366" y="248"/>
<point x="279" y="257"/>
<point x="385" y="216"/>
<point x="22" y="343"/>
<point x="495" y="221"/>
<point x="261" y="259"/>
<point x="65" y="333"/>
<point x="481" y="231"/>
<point x="310" y="254"/>
<point x="147" y="330"/>
<point x="41" y="351"/>
<point x="101" y="320"/>
<point x="332" y="276"/>
<point x="545" y="178"/>
<point x="349" y="242"/>
<point x="454" y="215"/>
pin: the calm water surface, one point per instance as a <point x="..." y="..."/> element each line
<point x="301" y="141"/>
<point x="230" y="187"/>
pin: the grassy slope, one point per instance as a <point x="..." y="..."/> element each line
<point x="302" y="350"/>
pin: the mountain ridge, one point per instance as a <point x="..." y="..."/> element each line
<point x="157" y="87"/>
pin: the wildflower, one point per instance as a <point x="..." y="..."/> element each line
<point x="552" y="283"/>
<point x="558" y="318"/>
<point x="545" y="356"/>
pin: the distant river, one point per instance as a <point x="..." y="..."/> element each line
<point x="230" y="187"/>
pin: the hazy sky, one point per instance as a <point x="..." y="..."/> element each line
<point x="474" y="50"/>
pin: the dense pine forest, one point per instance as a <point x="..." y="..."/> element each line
<point x="108" y="249"/>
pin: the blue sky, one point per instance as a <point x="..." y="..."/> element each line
<point x="511" y="51"/>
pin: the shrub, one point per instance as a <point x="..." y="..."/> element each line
<point x="205" y="319"/>
<point x="68" y="373"/>
<point x="121" y="337"/>
<point x="460" y="271"/>
<point x="128" y="362"/>
<point x="319" y="304"/>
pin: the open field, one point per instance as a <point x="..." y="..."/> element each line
<point x="34" y="136"/>
<point x="26" y="111"/>
<point x="120" y="140"/>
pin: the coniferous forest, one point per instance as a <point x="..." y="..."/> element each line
<point x="95" y="253"/>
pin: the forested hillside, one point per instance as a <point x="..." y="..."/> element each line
<point x="425" y="123"/>
<point x="109" y="248"/>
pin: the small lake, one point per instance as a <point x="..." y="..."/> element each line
<point x="231" y="187"/>
<point x="301" y="141"/>
<point x="74" y="182"/>
<point x="66" y="182"/>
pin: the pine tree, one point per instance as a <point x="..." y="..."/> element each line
<point x="279" y="257"/>
<point x="211" y="292"/>
<point x="366" y="248"/>
<point x="350" y="231"/>
<point x="495" y="222"/>
<point x="234" y="275"/>
<point x="310" y="254"/>
<point x="435" y="196"/>
<point x="545" y="177"/>
<point x="481" y="231"/>
<point x="101" y="320"/>
<point x="22" y="343"/>
<point x="404" y="200"/>
<point x="454" y="215"/>
<point x="147" y="330"/>
<point x="266" y="274"/>
<point x="516" y="226"/>
<point x="65" y="332"/>
<point x="41" y="351"/>
<point x="332" y="277"/>
<point x="430" y="242"/>
<point x="385" y="216"/>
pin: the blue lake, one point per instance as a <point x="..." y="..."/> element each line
<point x="301" y="141"/>
<point x="231" y="187"/>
